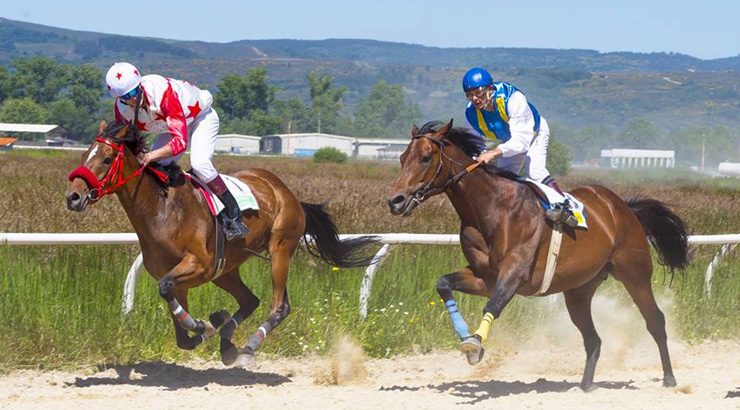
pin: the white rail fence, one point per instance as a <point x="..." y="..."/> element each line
<point x="728" y="242"/>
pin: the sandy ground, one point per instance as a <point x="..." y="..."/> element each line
<point x="708" y="378"/>
<point x="536" y="372"/>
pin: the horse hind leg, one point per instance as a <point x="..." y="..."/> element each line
<point x="578" y="302"/>
<point x="248" y="302"/>
<point x="641" y="291"/>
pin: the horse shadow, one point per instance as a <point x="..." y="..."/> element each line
<point x="477" y="391"/>
<point x="174" y="376"/>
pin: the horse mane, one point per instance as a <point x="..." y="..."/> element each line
<point x="471" y="144"/>
<point x="136" y="143"/>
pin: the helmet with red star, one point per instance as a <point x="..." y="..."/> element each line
<point x="122" y="78"/>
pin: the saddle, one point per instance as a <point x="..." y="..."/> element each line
<point x="551" y="200"/>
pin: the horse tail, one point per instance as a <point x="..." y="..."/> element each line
<point x="325" y="243"/>
<point x="666" y="231"/>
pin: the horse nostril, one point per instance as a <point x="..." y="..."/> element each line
<point x="73" y="197"/>
<point x="398" y="199"/>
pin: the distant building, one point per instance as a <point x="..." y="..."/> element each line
<point x="729" y="168"/>
<point x="380" y="148"/>
<point x="238" y="144"/>
<point x="306" y="144"/>
<point x="50" y="131"/>
<point x="638" y="158"/>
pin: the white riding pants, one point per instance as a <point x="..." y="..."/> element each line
<point x="202" y="133"/>
<point x="534" y="160"/>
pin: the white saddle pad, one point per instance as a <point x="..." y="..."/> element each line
<point x="242" y="193"/>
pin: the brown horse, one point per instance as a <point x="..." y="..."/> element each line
<point x="505" y="238"/>
<point x="177" y="235"/>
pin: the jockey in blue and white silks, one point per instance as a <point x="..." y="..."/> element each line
<point x="500" y="112"/>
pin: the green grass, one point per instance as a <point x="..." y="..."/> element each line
<point x="62" y="307"/>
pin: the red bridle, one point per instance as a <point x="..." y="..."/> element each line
<point x="112" y="180"/>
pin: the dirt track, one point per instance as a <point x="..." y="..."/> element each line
<point x="708" y="378"/>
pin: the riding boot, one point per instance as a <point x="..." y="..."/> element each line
<point x="231" y="217"/>
<point x="560" y="213"/>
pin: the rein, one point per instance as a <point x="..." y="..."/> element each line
<point x="112" y="180"/>
<point x="423" y="194"/>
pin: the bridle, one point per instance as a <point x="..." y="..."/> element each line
<point x="112" y="180"/>
<point x="429" y="190"/>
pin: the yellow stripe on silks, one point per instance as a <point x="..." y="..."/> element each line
<point x="483" y="126"/>
<point x="501" y="104"/>
<point x="485" y="327"/>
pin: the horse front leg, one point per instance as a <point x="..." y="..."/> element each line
<point x="504" y="290"/>
<point x="173" y="288"/>
<point x="464" y="281"/>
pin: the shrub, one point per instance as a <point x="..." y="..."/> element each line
<point x="329" y="154"/>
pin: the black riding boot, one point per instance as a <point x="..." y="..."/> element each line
<point x="560" y="213"/>
<point x="234" y="227"/>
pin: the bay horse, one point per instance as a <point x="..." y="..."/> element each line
<point x="504" y="237"/>
<point x="177" y="235"/>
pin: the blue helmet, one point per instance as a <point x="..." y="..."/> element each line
<point x="476" y="77"/>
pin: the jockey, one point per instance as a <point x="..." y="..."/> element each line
<point x="499" y="111"/>
<point x="181" y="115"/>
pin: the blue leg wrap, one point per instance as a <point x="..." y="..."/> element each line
<point x="458" y="323"/>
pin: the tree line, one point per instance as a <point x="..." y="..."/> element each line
<point x="40" y="90"/>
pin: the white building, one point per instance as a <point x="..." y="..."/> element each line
<point x="729" y="168"/>
<point x="380" y="148"/>
<point x="639" y="158"/>
<point x="50" y="131"/>
<point x="305" y="145"/>
<point x="238" y="144"/>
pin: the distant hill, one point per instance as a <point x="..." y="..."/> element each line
<point x="575" y="88"/>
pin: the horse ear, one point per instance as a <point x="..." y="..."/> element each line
<point x="444" y="130"/>
<point x="414" y="131"/>
<point x="101" y="126"/>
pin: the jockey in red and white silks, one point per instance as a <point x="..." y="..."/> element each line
<point x="182" y="117"/>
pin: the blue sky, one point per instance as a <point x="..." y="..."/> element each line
<point x="705" y="29"/>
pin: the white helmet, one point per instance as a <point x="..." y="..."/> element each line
<point x="122" y="78"/>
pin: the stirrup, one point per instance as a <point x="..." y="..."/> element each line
<point x="235" y="229"/>
<point x="562" y="215"/>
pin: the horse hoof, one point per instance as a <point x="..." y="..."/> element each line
<point x="245" y="361"/>
<point x="229" y="352"/>
<point x="472" y="349"/>
<point x="587" y="388"/>
<point x="669" y="381"/>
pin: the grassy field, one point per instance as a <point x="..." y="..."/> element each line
<point x="61" y="305"/>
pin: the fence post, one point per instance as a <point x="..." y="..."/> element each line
<point x="367" y="281"/>
<point x="129" y="287"/>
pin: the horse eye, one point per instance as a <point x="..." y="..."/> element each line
<point x="426" y="158"/>
<point x="107" y="161"/>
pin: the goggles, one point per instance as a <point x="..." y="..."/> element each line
<point x="479" y="93"/>
<point x="129" y="95"/>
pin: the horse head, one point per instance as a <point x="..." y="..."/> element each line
<point x="103" y="166"/>
<point x="424" y="172"/>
